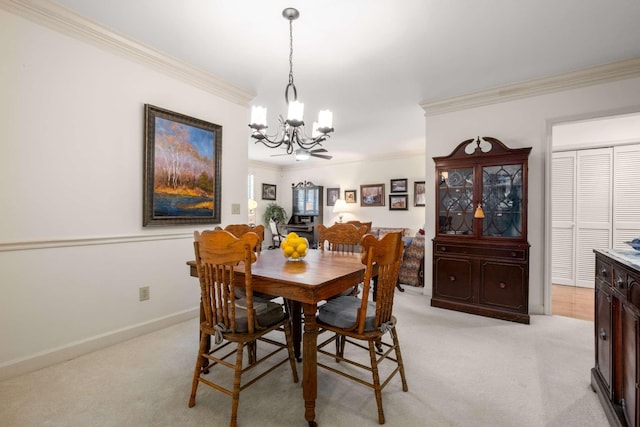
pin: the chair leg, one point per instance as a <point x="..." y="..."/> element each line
<point x="396" y="344"/>
<point x="288" y="335"/>
<point x="376" y="380"/>
<point x="252" y="352"/>
<point x="235" y="397"/>
<point x="200" y="361"/>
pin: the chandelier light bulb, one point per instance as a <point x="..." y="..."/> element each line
<point x="295" y="113"/>
<point x="259" y="116"/>
<point x="325" y="119"/>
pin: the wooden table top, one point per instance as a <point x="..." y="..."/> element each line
<point x="320" y="275"/>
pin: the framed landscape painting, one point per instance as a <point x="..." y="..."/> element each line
<point x="399" y="185"/>
<point x="398" y="202"/>
<point x="182" y="161"/>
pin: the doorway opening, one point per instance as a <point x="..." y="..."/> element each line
<point x="593" y="203"/>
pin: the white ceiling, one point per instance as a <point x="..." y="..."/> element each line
<point x="373" y="62"/>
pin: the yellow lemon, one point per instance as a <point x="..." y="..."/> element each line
<point x="302" y="247"/>
<point x="295" y="255"/>
<point x="292" y="235"/>
<point x="288" y="250"/>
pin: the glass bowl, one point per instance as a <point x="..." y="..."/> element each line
<point x="294" y="247"/>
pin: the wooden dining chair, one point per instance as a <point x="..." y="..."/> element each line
<point x="359" y="224"/>
<point x="341" y="237"/>
<point x="229" y="320"/>
<point x="240" y="229"/>
<point x="360" y="321"/>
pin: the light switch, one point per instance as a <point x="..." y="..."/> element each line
<point x="235" y="208"/>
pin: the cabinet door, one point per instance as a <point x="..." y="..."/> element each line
<point x="603" y="336"/>
<point x="502" y="201"/>
<point x="455" y="201"/>
<point x="503" y="285"/>
<point x="453" y="279"/>
<point x="629" y="364"/>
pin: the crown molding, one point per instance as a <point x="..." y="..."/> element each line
<point x="585" y="77"/>
<point x="61" y="19"/>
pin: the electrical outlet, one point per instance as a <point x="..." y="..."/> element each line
<point x="235" y="208"/>
<point x="144" y="293"/>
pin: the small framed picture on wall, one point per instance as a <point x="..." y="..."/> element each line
<point x="333" y="194"/>
<point x="419" y="197"/>
<point x="351" y="196"/>
<point x="268" y="192"/>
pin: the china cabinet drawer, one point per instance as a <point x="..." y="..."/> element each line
<point x="482" y="251"/>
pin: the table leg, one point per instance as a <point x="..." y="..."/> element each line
<point x="296" y="326"/>
<point x="309" y="363"/>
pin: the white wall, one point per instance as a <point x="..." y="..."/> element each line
<point x="605" y="132"/>
<point x="522" y="123"/>
<point x="73" y="251"/>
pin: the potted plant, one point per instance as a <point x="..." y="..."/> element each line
<point x="274" y="212"/>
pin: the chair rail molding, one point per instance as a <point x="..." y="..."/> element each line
<point x="63" y="243"/>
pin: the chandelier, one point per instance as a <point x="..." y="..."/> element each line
<point x="291" y="132"/>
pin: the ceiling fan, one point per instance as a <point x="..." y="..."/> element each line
<point x="302" y="154"/>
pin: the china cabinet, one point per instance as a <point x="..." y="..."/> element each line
<point x="617" y="335"/>
<point x="480" y="250"/>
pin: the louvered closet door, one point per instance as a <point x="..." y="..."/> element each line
<point x="594" y="210"/>
<point x="626" y="195"/>
<point x="563" y="202"/>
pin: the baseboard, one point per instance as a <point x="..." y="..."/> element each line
<point x="25" y="365"/>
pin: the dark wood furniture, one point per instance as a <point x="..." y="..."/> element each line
<point x="480" y="251"/>
<point x="321" y="275"/>
<point x="617" y="335"/>
<point x="306" y="208"/>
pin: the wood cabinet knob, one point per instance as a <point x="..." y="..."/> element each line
<point x="502" y="285"/>
<point x="620" y="283"/>
<point x="514" y="254"/>
<point x="603" y="272"/>
<point x="603" y="334"/>
<point x="443" y="249"/>
<point x="452" y="278"/>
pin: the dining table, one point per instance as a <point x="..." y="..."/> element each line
<point x="304" y="283"/>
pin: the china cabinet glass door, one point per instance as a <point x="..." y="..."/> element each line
<point x="455" y="207"/>
<point x="502" y="200"/>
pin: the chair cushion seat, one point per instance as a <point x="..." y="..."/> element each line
<point x="268" y="313"/>
<point x="342" y="312"/>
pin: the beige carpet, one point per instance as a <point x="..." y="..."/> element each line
<point x="462" y="370"/>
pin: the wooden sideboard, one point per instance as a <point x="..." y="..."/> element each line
<point x="617" y="335"/>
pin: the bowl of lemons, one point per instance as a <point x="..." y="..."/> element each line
<point x="294" y="247"/>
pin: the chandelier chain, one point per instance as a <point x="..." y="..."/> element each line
<point x="291" y="53"/>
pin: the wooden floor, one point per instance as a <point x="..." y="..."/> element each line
<point x="572" y="301"/>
